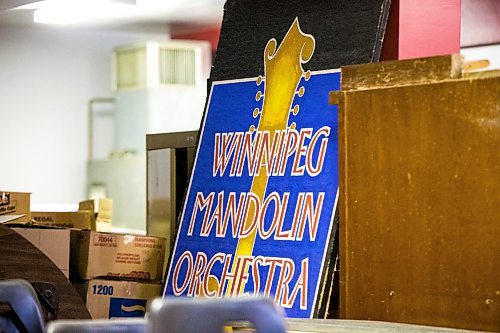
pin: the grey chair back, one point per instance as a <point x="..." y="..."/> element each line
<point x="138" y="325"/>
<point x="204" y="315"/>
<point x="21" y="297"/>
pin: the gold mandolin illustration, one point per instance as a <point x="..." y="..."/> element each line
<point x="283" y="72"/>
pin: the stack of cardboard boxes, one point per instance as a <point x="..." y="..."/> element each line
<point x="116" y="274"/>
<point x="121" y="273"/>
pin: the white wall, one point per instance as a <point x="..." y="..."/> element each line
<point x="489" y="52"/>
<point x="47" y="76"/>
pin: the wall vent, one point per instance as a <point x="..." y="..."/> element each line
<point x="157" y="65"/>
<point x="177" y="66"/>
<point x="131" y="68"/>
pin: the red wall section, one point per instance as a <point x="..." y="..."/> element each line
<point x="209" y="34"/>
<point x="422" y="28"/>
<point x="391" y="45"/>
<point x="428" y="27"/>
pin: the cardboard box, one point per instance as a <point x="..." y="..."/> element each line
<point x="103" y="210"/>
<point x="78" y="220"/>
<point x="118" y="299"/>
<point x="14" y="207"/>
<point x="54" y="243"/>
<point x="99" y="254"/>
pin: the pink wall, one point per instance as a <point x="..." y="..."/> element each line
<point x="480" y="22"/>
<point x="422" y="28"/>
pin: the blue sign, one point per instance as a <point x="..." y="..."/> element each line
<point x="261" y="202"/>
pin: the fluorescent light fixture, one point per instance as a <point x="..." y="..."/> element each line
<point x="31" y="6"/>
<point x="81" y="11"/>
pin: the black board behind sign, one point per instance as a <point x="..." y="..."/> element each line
<point x="346" y="32"/>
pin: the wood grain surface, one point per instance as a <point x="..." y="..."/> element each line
<point x="19" y="259"/>
<point x="403" y="72"/>
<point x="420" y="217"/>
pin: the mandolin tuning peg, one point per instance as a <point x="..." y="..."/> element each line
<point x="307" y="75"/>
<point x="259" y="95"/>
<point x="295" y="110"/>
<point x="256" y="112"/>
<point x="301" y="91"/>
<point x="252" y="128"/>
<point x="293" y="125"/>
<point x="260" y="79"/>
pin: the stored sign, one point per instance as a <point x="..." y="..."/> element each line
<point x="262" y="198"/>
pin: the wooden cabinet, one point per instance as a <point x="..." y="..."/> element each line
<point x="420" y="193"/>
